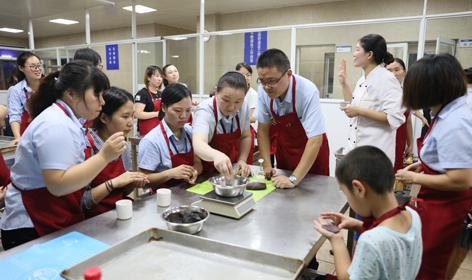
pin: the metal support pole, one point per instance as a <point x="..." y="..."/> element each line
<point x="422" y="37"/>
<point x="30" y="34"/>
<point x="58" y="57"/>
<point x="87" y="27"/>
<point x="164" y="52"/>
<point x="133" y="19"/>
<point x="293" y="49"/>
<point x="202" y="49"/>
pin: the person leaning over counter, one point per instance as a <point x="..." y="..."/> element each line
<point x="115" y="181"/>
<point x="148" y="100"/>
<point x="445" y="169"/>
<point x="166" y="154"/>
<point x="31" y="71"/>
<point x="49" y="175"/>
<point x="293" y="102"/>
<point x="221" y="127"/>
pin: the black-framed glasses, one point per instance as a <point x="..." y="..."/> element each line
<point x="270" y="84"/>
<point x="35" y="67"/>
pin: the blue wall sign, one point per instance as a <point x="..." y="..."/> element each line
<point x="113" y="63"/>
<point x="255" y="43"/>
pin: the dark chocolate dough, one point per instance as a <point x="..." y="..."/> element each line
<point x="331" y="228"/>
<point x="256" y="186"/>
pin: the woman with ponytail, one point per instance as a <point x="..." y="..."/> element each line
<point x="49" y="175"/>
<point x="115" y="181"/>
<point x="166" y="153"/>
<point x="31" y="71"/>
<point x="375" y="111"/>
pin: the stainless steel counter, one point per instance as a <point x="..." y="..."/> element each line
<point x="281" y="223"/>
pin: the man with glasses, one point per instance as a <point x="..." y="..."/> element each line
<point x="293" y="102"/>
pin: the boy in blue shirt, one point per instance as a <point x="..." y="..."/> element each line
<point x="390" y="245"/>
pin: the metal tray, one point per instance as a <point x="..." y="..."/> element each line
<point x="5" y="144"/>
<point x="163" y="254"/>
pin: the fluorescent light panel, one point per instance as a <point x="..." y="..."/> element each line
<point x="63" y="21"/>
<point x="175" y="56"/>
<point x="11" y="30"/>
<point x="140" y="9"/>
<point x="178" y="38"/>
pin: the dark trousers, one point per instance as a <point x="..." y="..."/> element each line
<point x="16" y="237"/>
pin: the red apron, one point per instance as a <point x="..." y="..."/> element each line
<point x="147" y="125"/>
<point x="88" y="124"/>
<point x="177" y="160"/>
<point x="50" y="213"/>
<point x="370" y="223"/>
<point x="273" y="139"/>
<point x="227" y="143"/>
<point x="292" y="139"/>
<point x="111" y="171"/>
<point x="400" y="143"/>
<point x="25" y="118"/>
<point x="442" y="219"/>
<point x="251" y="151"/>
<point x="4" y="173"/>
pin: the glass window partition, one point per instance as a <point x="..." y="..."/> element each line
<point x="183" y="53"/>
<point x="148" y="54"/>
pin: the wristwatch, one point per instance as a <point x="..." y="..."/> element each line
<point x="293" y="179"/>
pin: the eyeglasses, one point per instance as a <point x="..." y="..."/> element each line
<point x="35" y="67"/>
<point x="270" y="84"/>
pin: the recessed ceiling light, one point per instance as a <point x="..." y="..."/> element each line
<point x="175" y="56"/>
<point x="63" y="21"/>
<point x="140" y="9"/>
<point x="11" y="30"/>
<point x="178" y="38"/>
<point x="144" y="51"/>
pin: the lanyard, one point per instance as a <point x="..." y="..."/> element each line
<point x="223" y="126"/>
<point x="175" y="148"/>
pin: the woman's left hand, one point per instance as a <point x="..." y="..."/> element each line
<point x="352" y="110"/>
<point x="245" y="169"/>
<point x="405" y="177"/>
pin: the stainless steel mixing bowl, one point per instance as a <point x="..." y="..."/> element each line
<point x="190" y="228"/>
<point x="229" y="187"/>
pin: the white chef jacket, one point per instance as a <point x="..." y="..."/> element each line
<point x="380" y="92"/>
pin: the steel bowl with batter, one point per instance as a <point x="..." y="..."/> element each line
<point x="229" y="187"/>
<point x="190" y="228"/>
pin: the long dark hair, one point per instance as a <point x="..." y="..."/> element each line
<point x="233" y="79"/>
<point x="173" y="94"/>
<point x="89" y="55"/>
<point x="14" y="74"/>
<point x="77" y="76"/>
<point x="166" y="82"/>
<point x="378" y="46"/>
<point x="150" y="70"/>
<point x="114" y="98"/>
<point x="21" y="60"/>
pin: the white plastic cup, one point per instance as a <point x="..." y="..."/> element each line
<point x="163" y="197"/>
<point x="124" y="209"/>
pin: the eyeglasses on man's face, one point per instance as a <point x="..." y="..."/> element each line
<point x="270" y="84"/>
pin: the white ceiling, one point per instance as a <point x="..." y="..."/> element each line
<point x="178" y="13"/>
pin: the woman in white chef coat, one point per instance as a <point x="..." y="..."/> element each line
<point x="375" y="111"/>
<point x="49" y="175"/>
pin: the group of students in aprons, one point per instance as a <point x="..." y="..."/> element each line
<point x="55" y="159"/>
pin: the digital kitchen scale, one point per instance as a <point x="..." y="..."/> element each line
<point x="233" y="207"/>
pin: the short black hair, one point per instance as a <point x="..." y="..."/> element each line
<point x="172" y="94"/>
<point x="433" y="80"/>
<point x="89" y="55"/>
<point x="369" y="165"/>
<point x="273" y="57"/>
<point x="245" y="65"/>
<point x="232" y="79"/>
<point x="468" y="74"/>
<point x="114" y="98"/>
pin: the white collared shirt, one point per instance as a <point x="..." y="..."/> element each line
<point x="53" y="140"/>
<point x="17" y="101"/>
<point x="204" y="119"/>
<point x="380" y="92"/>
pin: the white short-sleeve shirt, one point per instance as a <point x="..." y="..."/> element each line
<point x="380" y="92"/>
<point x="448" y="145"/>
<point x="251" y="97"/>
<point x="154" y="151"/>
<point x="52" y="141"/>
<point x="307" y="104"/>
<point x="204" y="119"/>
<point x="382" y="253"/>
<point x="469" y="97"/>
